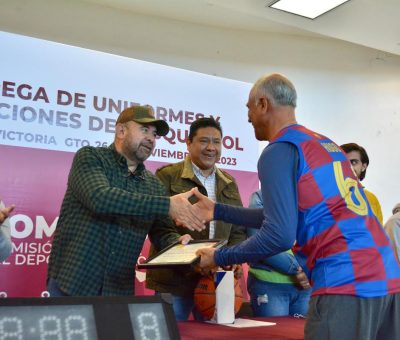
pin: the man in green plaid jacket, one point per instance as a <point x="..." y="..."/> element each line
<point x="110" y="205"/>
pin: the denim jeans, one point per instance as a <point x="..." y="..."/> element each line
<point x="54" y="289"/>
<point x="183" y="306"/>
<point x="277" y="299"/>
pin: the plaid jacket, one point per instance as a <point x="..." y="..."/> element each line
<point x="105" y="216"/>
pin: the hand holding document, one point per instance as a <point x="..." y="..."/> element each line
<point x="206" y="257"/>
<point x="179" y="254"/>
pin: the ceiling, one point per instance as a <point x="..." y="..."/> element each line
<point x="370" y="23"/>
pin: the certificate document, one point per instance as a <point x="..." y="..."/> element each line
<point x="180" y="254"/>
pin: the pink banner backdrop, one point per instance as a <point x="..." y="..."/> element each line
<point x="59" y="98"/>
<point x="35" y="180"/>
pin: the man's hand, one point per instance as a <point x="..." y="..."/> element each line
<point x="5" y="212"/>
<point x="206" y="258"/>
<point x="204" y="271"/>
<point x="204" y="208"/>
<point x="185" y="239"/>
<point x="302" y="279"/>
<point x="182" y="213"/>
<point x="236" y="268"/>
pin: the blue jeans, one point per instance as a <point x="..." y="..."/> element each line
<point x="183" y="306"/>
<point x="54" y="289"/>
<point x="277" y="299"/>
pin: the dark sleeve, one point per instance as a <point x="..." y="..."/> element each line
<point x="163" y="232"/>
<point x="277" y="169"/>
<point x="237" y="234"/>
<point x="247" y="217"/>
<point x="91" y="186"/>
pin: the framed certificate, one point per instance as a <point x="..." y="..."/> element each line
<point x="178" y="254"/>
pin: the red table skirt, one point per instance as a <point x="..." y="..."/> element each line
<point x="285" y="328"/>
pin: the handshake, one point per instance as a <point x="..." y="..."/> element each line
<point x="194" y="217"/>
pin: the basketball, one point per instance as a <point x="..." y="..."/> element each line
<point x="204" y="296"/>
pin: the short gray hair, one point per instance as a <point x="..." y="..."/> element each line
<point x="277" y="88"/>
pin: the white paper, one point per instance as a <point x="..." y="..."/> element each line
<point x="181" y="253"/>
<point x="243" y="323"/>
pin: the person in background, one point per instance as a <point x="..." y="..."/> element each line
<point x="312" y="196"/>
<point x="110" y="205"/>
<point x="359" y="160"/>
<point x="199" y="170"/>
<point x="277" y="285"/>
<point x="5" y="236"/>
<point x="392" y="228"/>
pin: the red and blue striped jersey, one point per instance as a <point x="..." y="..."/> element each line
<point x="344" y="247"/>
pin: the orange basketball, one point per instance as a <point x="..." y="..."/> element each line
<point x="204" y="296"/>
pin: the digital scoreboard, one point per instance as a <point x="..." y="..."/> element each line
<point x="87" y="318"/>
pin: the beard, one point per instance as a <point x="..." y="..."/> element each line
<point x="139" y="152"/>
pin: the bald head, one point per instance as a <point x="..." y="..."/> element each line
<point x="278" y="89"/>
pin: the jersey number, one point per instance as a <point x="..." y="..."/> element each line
<point x="347" y="187"/>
